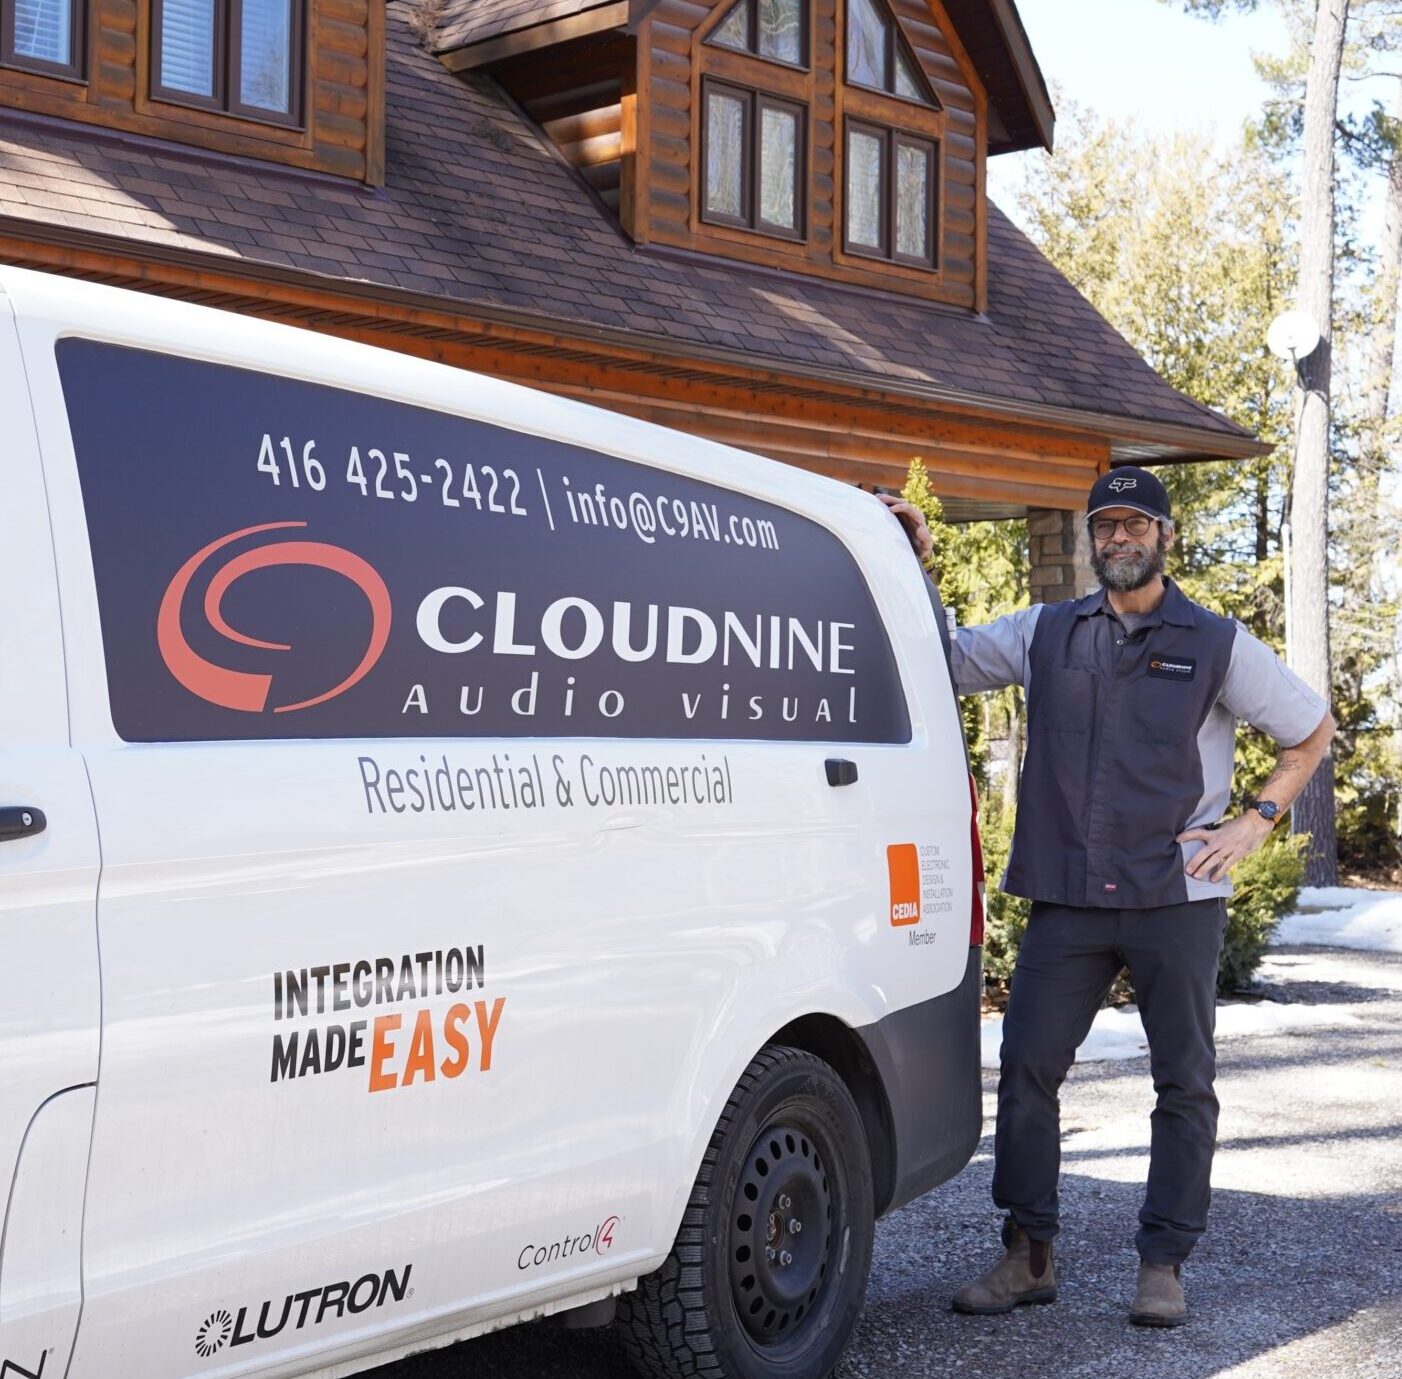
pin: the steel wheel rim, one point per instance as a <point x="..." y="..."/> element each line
<point x="781" y="1232"/>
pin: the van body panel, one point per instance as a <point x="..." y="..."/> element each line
<point x="928" y="1056"/>
<point x="41" y="1281"/>
<point x="49" y="1017"/>
<point x="417" y="1069"/>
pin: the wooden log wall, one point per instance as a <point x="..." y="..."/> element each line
<point x="343" y="98"/>
<point x="575" y="93"/>
<point x="672" y="56"/>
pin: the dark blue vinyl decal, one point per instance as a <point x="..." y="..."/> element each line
<point x="279" y="559"/>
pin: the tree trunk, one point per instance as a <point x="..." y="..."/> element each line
<point x="1382" y="337"/>
<point x="1307" y="629"/>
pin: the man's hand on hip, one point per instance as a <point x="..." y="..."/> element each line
<point x="913" y="520"/>
<point x="1226" y="846"/>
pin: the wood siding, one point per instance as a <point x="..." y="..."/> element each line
<point x="576" y="94"/>
<point x="673" y="57"/>
<point x="344" y="96"/>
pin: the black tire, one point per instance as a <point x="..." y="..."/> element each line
<point x="790" y="1133"/>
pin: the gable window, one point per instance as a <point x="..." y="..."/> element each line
<point x="752" y="160"/>
<point x="877" y="56"/>
<point x="774" y="29"/>
<point x="241" y="56"/>
<point x="43" y="36"/>
<point x="891" y="195"/>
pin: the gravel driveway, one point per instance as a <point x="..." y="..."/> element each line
<point x="1299" y="1276"/>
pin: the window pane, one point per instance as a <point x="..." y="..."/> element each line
<point x="778" y="168"/>
<point x="912" y="201"/>
<point x="734" y="32"/>
<point x="864" y="189"/>
<point x="866" y="44"/>
<point x="43" y="31"/>
<point x="906" y="84"/>
<point x="187" y="46"/>
<point x="265" y="72"/>
<point x="781" y="29"/>
<point x="725" y="154"/>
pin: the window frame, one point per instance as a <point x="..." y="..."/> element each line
<point x="805" y="62"/>
<point x="74" y="70"/>
<point x="891" y="139"/>
<point x="755" y="102"/>
<point x="228" y="67"/>
<point x="895" y="42"/>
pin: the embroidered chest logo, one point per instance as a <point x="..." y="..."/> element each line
<point x="1177" y="668"/>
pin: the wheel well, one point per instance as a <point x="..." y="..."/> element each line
<point x="826" y="1037"/>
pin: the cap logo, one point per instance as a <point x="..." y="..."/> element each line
<point x="1120" y="485"/>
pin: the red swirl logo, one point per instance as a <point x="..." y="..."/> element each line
<point x="243" y="690"/>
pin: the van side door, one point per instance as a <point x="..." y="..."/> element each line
<point x="48" y="935"/>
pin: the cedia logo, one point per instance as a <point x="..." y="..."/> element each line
<point x="237" y="689"/>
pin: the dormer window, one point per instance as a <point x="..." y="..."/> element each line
<point x="43" y="36"/>
<point x="240" y="56"/>
<point x="752" y="160"/>
<point x="877" y="57"/>
<point x="775" y="29"/>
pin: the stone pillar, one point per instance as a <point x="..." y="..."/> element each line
<point x="1059" y="555"/>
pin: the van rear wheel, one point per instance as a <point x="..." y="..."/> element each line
<point x="768" y="1273"/>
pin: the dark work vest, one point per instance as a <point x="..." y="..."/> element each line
<point x="1113" y="772"/>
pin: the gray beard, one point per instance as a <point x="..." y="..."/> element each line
<point x="1125" y="576"/>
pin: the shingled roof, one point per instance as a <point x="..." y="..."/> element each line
<point x="480" y="214"/>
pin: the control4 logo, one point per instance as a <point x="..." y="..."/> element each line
<point x="10" y="1369"/>
<point x="237" y="689"/>
<point x="598" y="1240"/>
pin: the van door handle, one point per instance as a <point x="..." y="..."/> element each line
<point x="841" y="772"/>
<point x="20" y="821"/>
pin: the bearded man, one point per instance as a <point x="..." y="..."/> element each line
<point x="1133" y="699"/>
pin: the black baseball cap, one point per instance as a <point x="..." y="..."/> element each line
<point x="1129" y="487"/>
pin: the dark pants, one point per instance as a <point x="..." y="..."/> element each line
<point x="1068" y="959"/>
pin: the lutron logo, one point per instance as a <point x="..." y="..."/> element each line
<point x="244" y="690"/>
<point x="298" y="1310"/>
<point x="213" y="1333"/>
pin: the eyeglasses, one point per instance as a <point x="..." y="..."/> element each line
<point x="1103" y="528"/>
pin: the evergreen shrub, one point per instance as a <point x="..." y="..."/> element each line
<point x="1267" y="886"/>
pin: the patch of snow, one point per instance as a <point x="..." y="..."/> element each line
<point x="1117" y="1034"/>
<point x="1345" y="917"/>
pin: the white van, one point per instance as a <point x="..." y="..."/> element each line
<point x="464" y="856"/>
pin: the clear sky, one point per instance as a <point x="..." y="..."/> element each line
<point x="1148" y="61"/>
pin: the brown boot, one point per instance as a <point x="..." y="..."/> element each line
<point x="1158" y="1297"/>
<point x="1024" y="1274"/>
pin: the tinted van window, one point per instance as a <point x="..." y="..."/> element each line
<point x="279" y="559"/>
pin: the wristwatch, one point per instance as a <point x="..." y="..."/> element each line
<point x="1269" y="810"/>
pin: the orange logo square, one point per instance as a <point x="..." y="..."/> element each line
<point x="903" y="862"/>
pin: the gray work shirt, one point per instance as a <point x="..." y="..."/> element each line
<point x="1257" y="688"/>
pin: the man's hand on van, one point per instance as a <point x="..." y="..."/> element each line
<point x="913" y="520"/>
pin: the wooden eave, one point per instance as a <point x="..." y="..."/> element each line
<point x="978" y="448"/>
<point x="552" y="33"/>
